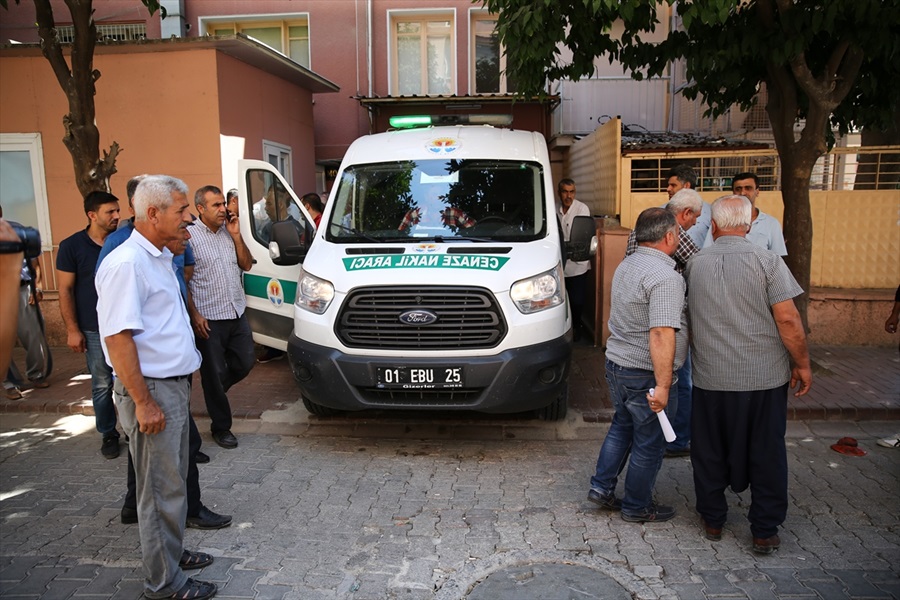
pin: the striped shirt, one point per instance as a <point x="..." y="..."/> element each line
<point x="646" y="293"/>
<point x="735" y="345"/>
<point x="216" y="285"/>
<point x="686" y="248"/>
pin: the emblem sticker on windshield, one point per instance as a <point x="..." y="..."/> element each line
<point x="444" y="145"/>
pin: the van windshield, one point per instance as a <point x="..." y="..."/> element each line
<point x="437" y="199"/>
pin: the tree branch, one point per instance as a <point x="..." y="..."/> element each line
<point x="50" y="46"/>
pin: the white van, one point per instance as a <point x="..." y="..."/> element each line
<point x="434" y="280"/>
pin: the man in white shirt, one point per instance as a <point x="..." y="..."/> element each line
<point x="765" y="230"/>
<point x="146" y="336"/>
<point x="576" y="272"/>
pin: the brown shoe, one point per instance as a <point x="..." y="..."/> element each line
<point x="713" y="534"/>
<point x="14" y="393"/>
<point x="39" y="383"/>
<point x="766" y="545"/>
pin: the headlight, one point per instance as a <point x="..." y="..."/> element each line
<point x="313" y="294"/>
<point x="540" y="292"/>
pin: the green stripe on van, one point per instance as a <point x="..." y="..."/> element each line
<point x="257" y="286"/>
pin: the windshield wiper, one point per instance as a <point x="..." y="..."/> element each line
<point x="459" y="238"/>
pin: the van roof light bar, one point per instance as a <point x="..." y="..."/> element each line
<point x="413" y="121"/>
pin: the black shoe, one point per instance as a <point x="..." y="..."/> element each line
<point x="607" y="501"/>
<point x="207" y="519"/>
<point x="110" y="447"/>
<point x="655" y="512"/>
<point x="225" y="439"/>
<point x="201" y="458"/>
<point x="129" y="516"/>
<point x="269" y="355"/>
<point x="678" y="452"/>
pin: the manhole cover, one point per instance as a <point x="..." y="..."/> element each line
<point x="548" y="581"/>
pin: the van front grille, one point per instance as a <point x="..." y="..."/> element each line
<point x="466" y="318"/>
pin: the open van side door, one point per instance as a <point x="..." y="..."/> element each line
<point x="278" y="231"/>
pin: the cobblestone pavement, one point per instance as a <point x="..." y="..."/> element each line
<point x="428" y="516"/>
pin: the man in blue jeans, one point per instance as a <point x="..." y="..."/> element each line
<point x="647" y="344"/>
<point x="76" y="262"/>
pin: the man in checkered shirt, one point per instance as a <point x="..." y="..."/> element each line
<point x="749" y="348"/>
<point x="687" y="206"/>
<point x="217" y="304"/>
<point x="647" y="344"/>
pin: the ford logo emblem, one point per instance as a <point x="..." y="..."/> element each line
<point x="418" y="317"/>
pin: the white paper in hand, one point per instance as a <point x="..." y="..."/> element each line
<point x="668" y="432"/>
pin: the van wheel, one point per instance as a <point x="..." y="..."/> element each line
<point x="318" y="409"/>
<point x="556" y="410"/>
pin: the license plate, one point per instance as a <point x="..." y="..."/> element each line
<point x="419" y="378"/>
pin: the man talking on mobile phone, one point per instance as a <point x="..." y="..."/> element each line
<point x="217" y="303"/>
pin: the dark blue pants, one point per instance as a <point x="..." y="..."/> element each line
<point x="738" y="441"/>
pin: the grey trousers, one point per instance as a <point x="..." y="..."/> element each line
<point x="30" y="330"/>
<point x="160" y="465"/>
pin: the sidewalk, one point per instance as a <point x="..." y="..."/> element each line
<point x="849" y="383"/>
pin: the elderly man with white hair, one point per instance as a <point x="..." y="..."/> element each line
<point x="749" y="348"/>
<point x="686" y="205"/>
<point x="147" y="338"/>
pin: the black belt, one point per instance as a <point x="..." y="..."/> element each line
<point x="173" y="378"/>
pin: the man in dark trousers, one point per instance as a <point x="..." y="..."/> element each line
<point x="748" y="347"/>
<point x="217" y="304"/>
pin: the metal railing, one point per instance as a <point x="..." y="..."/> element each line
<point x="118" y="32"/>
<point x="850" y="168"/>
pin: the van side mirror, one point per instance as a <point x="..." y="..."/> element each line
<point x="288" y="245"/>
<point x="582" y="242"/>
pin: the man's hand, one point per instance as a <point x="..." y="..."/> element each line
<point x="232" y="223"/>
<point x="803" y="377"/>
<point x="75" y="341"/>
<point x="201" y="325"/>
<point x="660" y="398"/>
<point x="150" y="417"/>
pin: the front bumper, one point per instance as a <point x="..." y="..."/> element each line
<point x="515" y="380"/>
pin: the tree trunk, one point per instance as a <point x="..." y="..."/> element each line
<point x="81" y="136"/>
<point x="798" y="226"/>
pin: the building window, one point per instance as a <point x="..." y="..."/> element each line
<point x="116" y="32"/>
<point x="489" y="60"/>
<point x="23" y="188"/>
<point x="279" y="156"/>
<point x="288" y="35"/>
<point x="423" y="55"/>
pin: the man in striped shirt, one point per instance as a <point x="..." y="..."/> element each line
<point x="748" y="346"/>
<point x="647" y="344"/>
<point x="217" y="305"/>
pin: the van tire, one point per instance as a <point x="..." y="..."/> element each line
<point x="556" y="410"/>
<point x="318" y="409"/>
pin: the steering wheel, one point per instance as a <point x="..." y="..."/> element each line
<point x="493" y="219"/>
